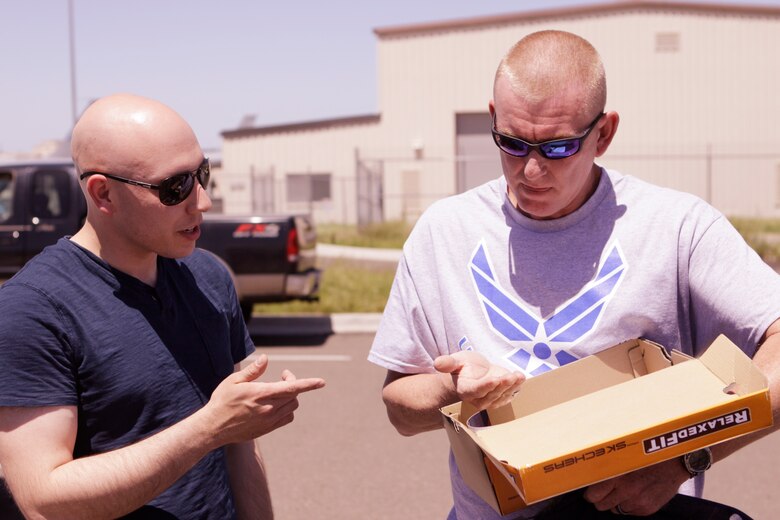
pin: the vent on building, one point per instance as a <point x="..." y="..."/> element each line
<point x="248" y="121"/>
<point x="667" y="42"/>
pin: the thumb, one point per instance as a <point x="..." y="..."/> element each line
<point x="252" y="371"/>
<point x="447" y="364"/>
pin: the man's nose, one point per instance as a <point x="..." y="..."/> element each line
<point x="202" y="199"/>
<point x="534" y="166"/>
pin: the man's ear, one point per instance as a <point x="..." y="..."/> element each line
<point x="98" y="190"/>
<point x="492" y="108"/>
<point x="607" y="132"/>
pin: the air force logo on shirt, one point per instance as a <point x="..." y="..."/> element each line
<point x="543" y="345"/>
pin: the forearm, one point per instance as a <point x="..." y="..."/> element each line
<point x="249" y="482"/>
<point x="115" y="483"/>
<point x="767" y="359"/>
<point x="36" y="448"/>
<point x="413" y="401"/>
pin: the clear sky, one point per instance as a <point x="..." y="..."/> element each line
<point x="212" y="61"/>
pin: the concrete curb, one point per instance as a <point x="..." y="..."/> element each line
<point x="368" y="254"/>
<point x="355" y="323"/>
<point x="297" y="325"/>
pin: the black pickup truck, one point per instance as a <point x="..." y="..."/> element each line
<point x="271" y="258"/>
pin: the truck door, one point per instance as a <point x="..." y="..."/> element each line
<point x="11" y="226"/>
<point x="50" y="209"/>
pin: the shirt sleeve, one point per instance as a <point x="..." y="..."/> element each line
<point x="404" y="341"/>
<point x="733" y="291"/>
<point x="35" y="354"/>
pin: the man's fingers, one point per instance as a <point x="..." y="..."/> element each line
<point x="447" y="364"/>
<point x="252" y="371"/>
<point x="292" y="388"/>
<point x="308" y="384"/>
<point x="496" y="392"/>
<point x="598" y="492"/>
<point x="288" y="376"/>
<point x="514" y="380"/>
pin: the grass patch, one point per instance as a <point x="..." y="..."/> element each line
<point x="760" y="225"/>
<point x="763" y="235"/>
<point x="387" y="235"/>
<point x="345" y="288"/>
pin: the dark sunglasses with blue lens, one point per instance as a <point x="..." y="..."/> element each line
<point x="555" y="149"/>
<point x="172" y="190"/>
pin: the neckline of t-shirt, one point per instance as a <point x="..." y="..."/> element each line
<point x="114" y="276"/>
<point x="558" y="224"/>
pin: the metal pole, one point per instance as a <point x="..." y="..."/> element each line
<point x="72" y="37"/>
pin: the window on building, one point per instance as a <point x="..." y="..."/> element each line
<point x="667" y="42"/>
<point x="308" y="187"/>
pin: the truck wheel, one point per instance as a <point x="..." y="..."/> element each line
<point x="246" y="310"/>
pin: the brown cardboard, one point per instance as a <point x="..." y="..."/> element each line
<point x="622" y="409"/>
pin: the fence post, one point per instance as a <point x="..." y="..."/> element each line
<point x="252" y="188"/>
<point x="708" y="178"/>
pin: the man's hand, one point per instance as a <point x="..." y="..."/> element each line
<point x="242" y="408"/>
<point x="479" y="382"/>
<point x="639" y="493"/>
<point x="36" y="447"/>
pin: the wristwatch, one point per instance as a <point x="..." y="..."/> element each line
<point x="697" y="462"/>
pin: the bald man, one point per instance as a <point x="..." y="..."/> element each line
<point x="560" y="258"/>
<point x="121" y="391"/>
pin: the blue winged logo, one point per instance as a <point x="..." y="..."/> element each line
<point x="543" y="345"/>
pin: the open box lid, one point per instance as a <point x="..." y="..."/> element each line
<point x="625" y="388"/>
<point x="612" y="366"/>
<point x="630" y="387"/>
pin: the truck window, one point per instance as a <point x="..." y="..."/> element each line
<point x="6" y="195"/>
<point x="50" y="194"/>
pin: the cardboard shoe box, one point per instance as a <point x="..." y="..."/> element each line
<point x="624" y="408"/>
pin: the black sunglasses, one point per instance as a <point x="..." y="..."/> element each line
<point x="172" y="190"/>
<point x="555" y="149"/>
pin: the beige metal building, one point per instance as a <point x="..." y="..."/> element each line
<point x="697" y="87"/>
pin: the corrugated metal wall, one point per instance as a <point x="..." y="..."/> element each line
<point x="697" y="93"/>
<point x="317" y="151"/>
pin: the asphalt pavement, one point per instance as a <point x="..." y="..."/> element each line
<point x="341" y="459"/>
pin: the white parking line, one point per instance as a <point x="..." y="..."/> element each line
<point x="308" y="357"/>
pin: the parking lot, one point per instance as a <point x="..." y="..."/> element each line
<point x="341" y="459"/>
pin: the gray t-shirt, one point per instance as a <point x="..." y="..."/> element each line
<point x="635" y="260"/>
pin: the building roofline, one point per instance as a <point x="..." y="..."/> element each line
<point x="557" y="12"/>
<point x="306" y="125"/>
<point x="24" y="160"/>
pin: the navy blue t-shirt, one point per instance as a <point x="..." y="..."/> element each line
<point x="133" y="359"/>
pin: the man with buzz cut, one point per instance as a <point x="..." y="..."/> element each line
<point x="552" y="262"/>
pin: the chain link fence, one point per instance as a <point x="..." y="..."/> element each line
<point x="379" y="189"/>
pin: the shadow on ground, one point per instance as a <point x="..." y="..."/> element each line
<point x="290" y="330"/>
